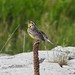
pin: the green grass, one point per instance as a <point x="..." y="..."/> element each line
<point x="55" y="17"/>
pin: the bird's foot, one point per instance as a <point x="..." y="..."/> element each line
<point x="36" y="41"/>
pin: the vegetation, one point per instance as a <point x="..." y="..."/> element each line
<point x="55" y="17"/>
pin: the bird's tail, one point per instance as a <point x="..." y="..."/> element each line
<point x="49" y="41"/>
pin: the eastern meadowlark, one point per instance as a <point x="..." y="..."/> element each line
<point x="36" y="33"/>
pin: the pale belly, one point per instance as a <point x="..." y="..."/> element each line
<point x="34" y="35"/>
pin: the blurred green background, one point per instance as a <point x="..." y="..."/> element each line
<point x="55" y="17"/>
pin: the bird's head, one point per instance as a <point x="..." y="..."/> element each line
<point x="31" y="24"/>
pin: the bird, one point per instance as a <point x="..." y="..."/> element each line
<point x="35" y="33"/>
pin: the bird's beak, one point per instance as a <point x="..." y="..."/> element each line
<point x="29" y="25"/>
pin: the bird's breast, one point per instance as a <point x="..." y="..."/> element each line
<point x="31" y="33"/>
<point x="31" y="36"/>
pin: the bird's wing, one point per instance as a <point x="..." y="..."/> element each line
<point x="40" y="35"/>
<point x="45" y="37"/>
